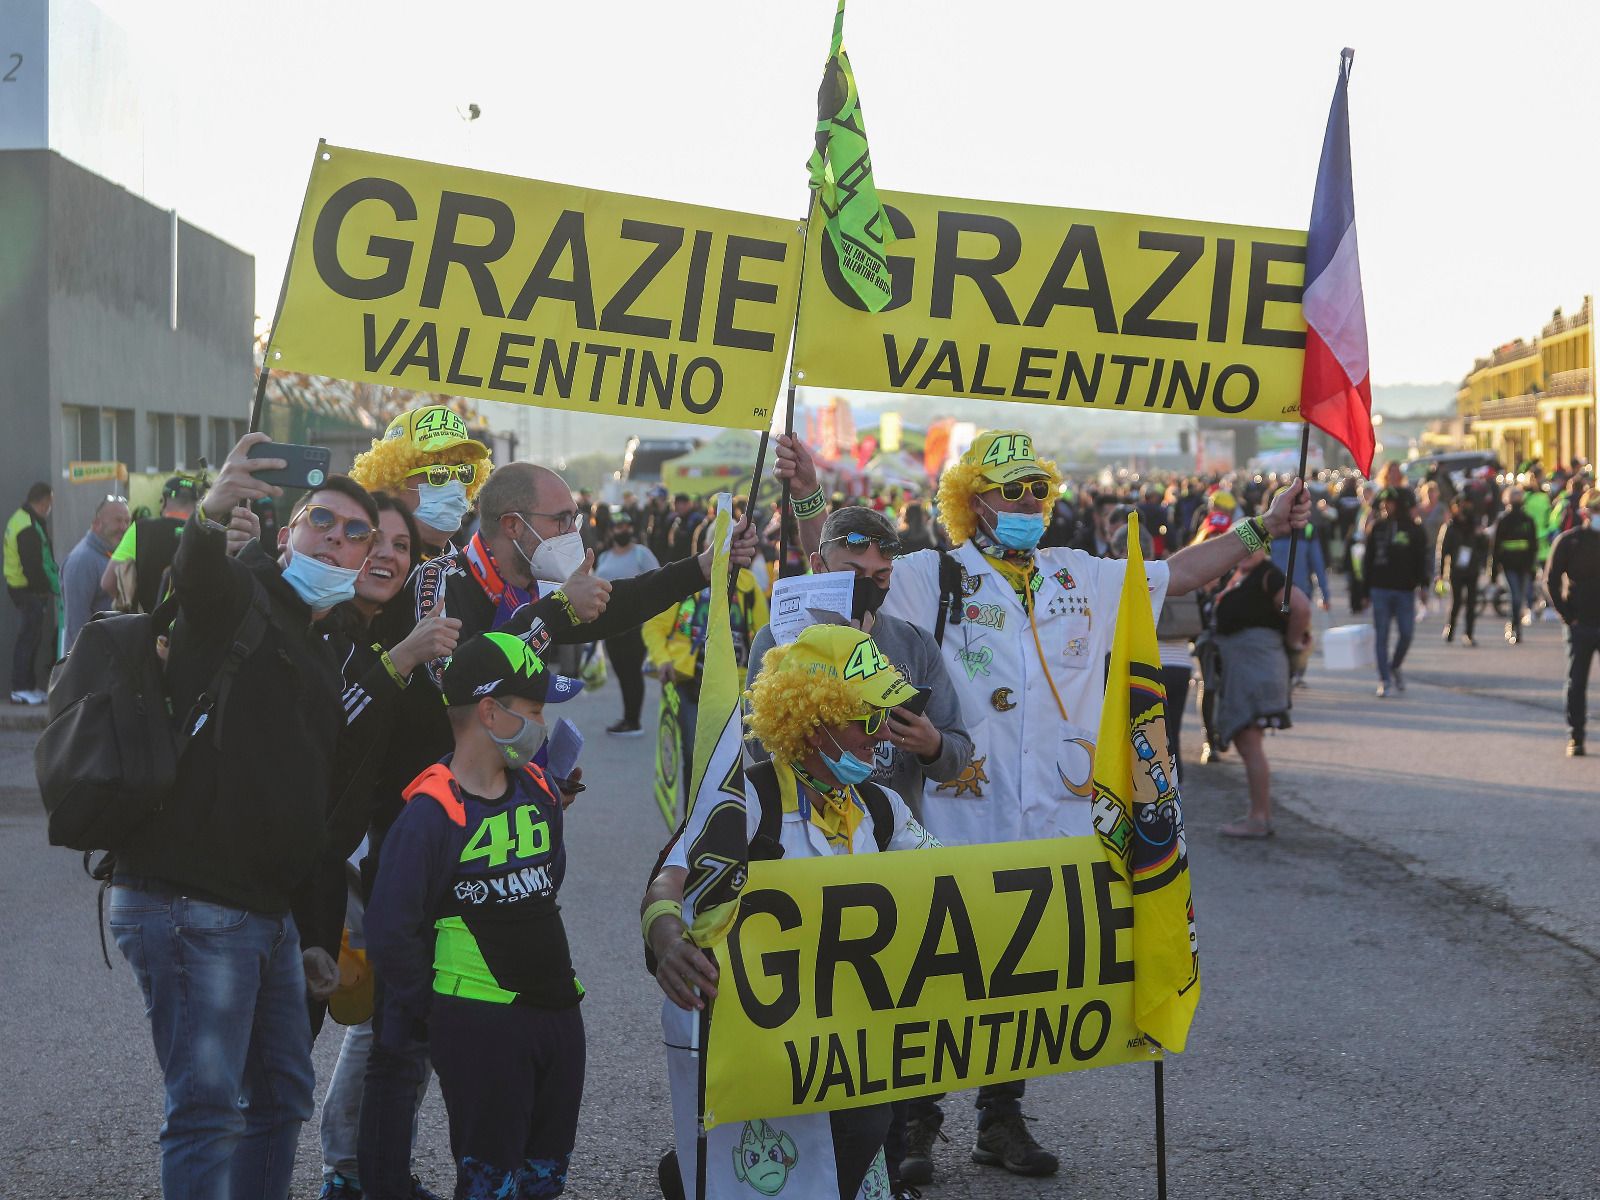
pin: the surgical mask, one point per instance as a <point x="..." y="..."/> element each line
<point x="847" y="768"/>
<point x="519" y="749"/>
<point x="866" y="597"/>
<point x="1017" y="531"/>
<point x="442" y="506"/>
<point x="321" y="585"/>
<point x="555" y="559"/>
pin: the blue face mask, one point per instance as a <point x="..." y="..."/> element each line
<point x="321" y="585"/>
<point x="847" y="768"/>
<point x="1017" y="531"/>
<point x="442" y="507"/>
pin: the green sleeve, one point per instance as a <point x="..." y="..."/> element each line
<point x="127" y="546"/>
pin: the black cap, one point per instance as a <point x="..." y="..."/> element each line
<point x="494" y="664"/>
<point x="180" y="485"/>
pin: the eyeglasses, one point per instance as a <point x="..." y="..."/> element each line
<point x="440" y="474"/>
<point x="356" y="529"/>
<point x="1017" y="488"/>
<point x="873" y="721"/>
<point x="566" y="522"/>
<point x="860" y="541"/>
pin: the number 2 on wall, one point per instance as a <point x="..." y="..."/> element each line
<point x="11" y="74"/>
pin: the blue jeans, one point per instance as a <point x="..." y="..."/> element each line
<point x="226" y="997"/>
<point x="1392" y="606"/>
<point x="32" y="609"/>
<point x="1519" y="586"/>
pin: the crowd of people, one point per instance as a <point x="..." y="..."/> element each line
<point x="394" y="852"/>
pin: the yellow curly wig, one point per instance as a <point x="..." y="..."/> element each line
<point x="786" y="705"/>
<point x="963" y="480"/>
<point x="384" y="467"/>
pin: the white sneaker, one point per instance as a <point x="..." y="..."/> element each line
<point x="22" y="697"/>
<point x="39" y="696"/>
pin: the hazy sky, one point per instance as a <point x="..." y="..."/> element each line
<point x="1473" y="125"/>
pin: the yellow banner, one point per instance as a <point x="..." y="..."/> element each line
<point x="79" y="471"/>
<point x="442" y="279"/>
<point x="1066" y="307"/>
<point x="858" y="980"/>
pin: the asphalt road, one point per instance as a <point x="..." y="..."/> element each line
<point x="1400" y="989"/>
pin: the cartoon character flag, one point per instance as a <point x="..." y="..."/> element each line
<point x="841" y="175"/>
<point x="719" y="851"/>
<point x="1139" y="818"/>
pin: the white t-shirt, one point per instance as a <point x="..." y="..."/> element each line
<point x="1032" y="772"/>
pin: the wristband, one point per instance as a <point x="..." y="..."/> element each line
<point x="394" y="671"/>
<point x="809" y="506"/>
<point x="206" y="522"/>
<point x="566" y="606"/>
<point x="657" y="910"/>
<point x="1252" y="533"/>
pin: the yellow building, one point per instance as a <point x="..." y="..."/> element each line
<point x="1536" y="399"/>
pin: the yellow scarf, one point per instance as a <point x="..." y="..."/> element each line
<point x="840" y="814"/>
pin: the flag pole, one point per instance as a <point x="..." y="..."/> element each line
<point x="788" y="407"/>
<point x="704" y="1024"/>
<point x="750" y="507"/>
<point x="283" y="290"/>
<point x="1296" y="535"/>
<point x="1161" y="1132"/>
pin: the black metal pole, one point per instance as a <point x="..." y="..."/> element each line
<point x="788" y="407"/>
<point x="750" y="507"/>
<point x="1296" y="535"/>
<point x="283" y="289"/>
<point x="1161" y="1132"/>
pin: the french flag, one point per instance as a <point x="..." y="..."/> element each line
<point x="1335" y="385"/>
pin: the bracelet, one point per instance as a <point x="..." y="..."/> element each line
<point x="206" y="522"/>
<point x="566" y="606"/>
<point x="394" y="671"/>
<point x="1252" y="533"/>
<point x="658" y="910"/>
<point x="809" y="506"/>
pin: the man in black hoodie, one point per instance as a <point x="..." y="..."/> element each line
<point x="1572" y="577"/>
<point x="1395" y="567"/>
<point x="1516" y="553"/>
<point x="201" y="894"/>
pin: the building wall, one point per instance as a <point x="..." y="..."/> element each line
<point x="90" y="345"/>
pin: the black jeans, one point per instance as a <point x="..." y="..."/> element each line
<point x="1464" y="591"/>
<point x="626" y="652"/>
<point x="32" y="608"/>
<point x="395" y="1071"/>
<point x="857" y="1135"/>
<point x="1582" y="643"/>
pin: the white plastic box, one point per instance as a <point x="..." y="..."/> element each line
<point x="1348" y="648"/>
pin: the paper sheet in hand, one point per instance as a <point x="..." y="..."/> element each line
<point x="565" y="745"/>
<point x="793" y="598"/>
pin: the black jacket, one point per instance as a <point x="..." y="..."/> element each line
<point x="1457" y="535"/>
<point x="1396" y="556"/>
<point x="1516" y="542"/>
<point x="1573" y="576"/>
<point x="246" y="822"/>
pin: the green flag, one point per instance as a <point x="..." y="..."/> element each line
<point x="841" y="173"/>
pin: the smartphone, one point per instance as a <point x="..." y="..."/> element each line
<point x="308" y="465"/>
<point x="918" y="702"/>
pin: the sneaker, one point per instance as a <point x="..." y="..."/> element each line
<point x="1007" y="1143"/>
<point x="623" y="729"/>
<point x="1575" y="747"/>
<point x="1527" y="617"/>
<point x="1383" y="691"/>
<point x="337" y="1187"/>
<point x="905" y="1192"/>
<point x="418" y="1192"/>
<point x="1399" y="680"/>
<point x="917" y="1165"/>
<point x="1449" y="633"/>
<point x="22" y="697"/>
<point x="1470" y="640"/>
<point x="1208" y="753"/>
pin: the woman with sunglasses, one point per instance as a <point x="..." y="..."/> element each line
<point x="430" y="464"/>
<point x="821" y="721"/>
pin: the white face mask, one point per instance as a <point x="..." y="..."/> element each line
<point x="555" y="559"/>
<point x="321" y="585"/>
<point x="443" y="506"/>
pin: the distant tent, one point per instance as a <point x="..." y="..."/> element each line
<point x="722" y="464"/>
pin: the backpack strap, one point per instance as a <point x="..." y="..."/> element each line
<point x="881" y="812"/>
<point x="950" y="597"/>
<point x="767" y="843"/>
<point x="246" y="641"/>
<point x="438" y="784"/>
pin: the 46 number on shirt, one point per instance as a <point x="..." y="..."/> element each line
<point x="492" y="839"/>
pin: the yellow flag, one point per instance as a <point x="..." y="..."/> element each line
<point x="1139" y="817"/>
<point x="719" y="841"/>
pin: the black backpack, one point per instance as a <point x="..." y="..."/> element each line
<point x="765" y="846"/>
<point x="109" y="757"/>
